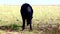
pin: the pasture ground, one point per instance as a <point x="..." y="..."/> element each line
<point x="10" y="14"/>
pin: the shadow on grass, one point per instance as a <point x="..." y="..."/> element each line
<point x="12" y="27"/>
<point x="45" y="28"/>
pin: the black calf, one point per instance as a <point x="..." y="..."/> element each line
<point x="26" y="13"/>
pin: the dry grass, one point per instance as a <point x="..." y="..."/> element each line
<point x="42" y="14"/>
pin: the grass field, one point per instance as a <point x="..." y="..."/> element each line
<point x="10" y="14"/>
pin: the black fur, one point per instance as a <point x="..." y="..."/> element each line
<point x="27" y="14"/>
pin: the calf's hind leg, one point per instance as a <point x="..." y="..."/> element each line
<point x="29" y="22"/>
<point x="23" y="26"/>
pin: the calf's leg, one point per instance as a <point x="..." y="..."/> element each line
<point x="23" y="26"/>
<point x="29" y="22"/>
